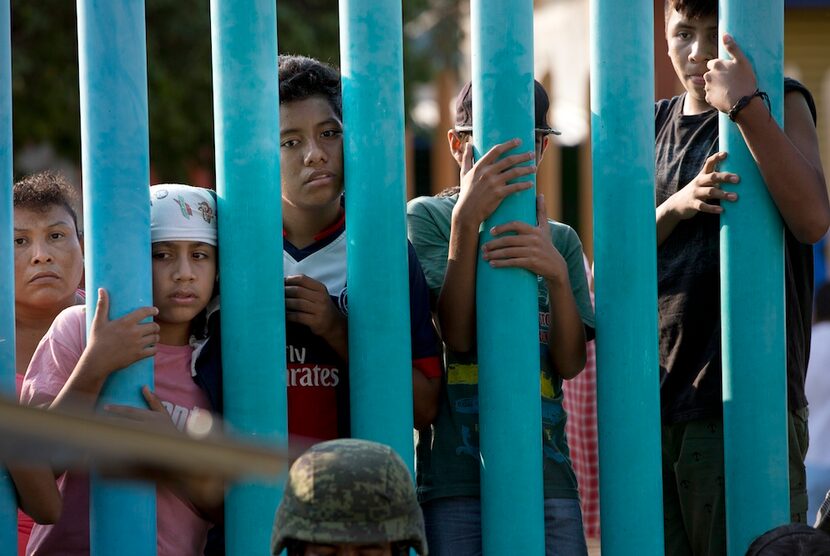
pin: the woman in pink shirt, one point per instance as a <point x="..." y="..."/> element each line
<point x="48" y="268"/>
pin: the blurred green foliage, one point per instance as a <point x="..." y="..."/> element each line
<point x="45" y="72"/>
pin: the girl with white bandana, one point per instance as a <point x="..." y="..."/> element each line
<point x="69" y="368"/>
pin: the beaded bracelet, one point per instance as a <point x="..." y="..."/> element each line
<point x="743" y="101"/>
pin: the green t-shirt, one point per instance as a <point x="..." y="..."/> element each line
<point x="447" y="454"/>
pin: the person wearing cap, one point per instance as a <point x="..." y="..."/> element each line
<point x="70" y="368"/>
<point x="445" y="233"/>
<point x="349" y="497"/>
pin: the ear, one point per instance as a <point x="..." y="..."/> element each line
<point x="456" y="146"/>
<point x="545" y="144"/>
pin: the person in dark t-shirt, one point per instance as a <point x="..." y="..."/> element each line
<point x="689" y="201"/>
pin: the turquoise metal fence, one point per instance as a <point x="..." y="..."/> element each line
<point x="380" y="358"/>
<point x="752" y="301"/>
<point x="246" y="116"/>
<point x="115" y="161"/>
<point x="116" y="172"/>
<point x="8" y="503"/>
<point x="622" y="134"/>
<point x="509" y="390"/>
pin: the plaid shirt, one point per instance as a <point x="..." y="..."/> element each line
<point x="580" y="403"/>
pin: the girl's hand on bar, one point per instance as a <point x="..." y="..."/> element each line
<point x="116" y="344"/>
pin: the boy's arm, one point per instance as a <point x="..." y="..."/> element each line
<point x="113" y="345"/>
<point x="425" y="393"/>
<point x="308" y="302"/>
<point x="531" y="248"/>
<point x="788" y="159"/>
<point x="426" y="353"/>
<point x="483" y="186"/>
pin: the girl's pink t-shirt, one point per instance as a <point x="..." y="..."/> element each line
<point x="181" y="532"/>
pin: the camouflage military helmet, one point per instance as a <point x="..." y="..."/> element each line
<point x="349" y="491"/>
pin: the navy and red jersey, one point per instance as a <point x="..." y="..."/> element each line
<point x="318" y="379"/>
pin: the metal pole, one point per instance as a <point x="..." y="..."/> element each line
<point x="512" y="517"/>
<point x="115" y="158"/>
<point x="8" y="502"/>
<point x="246" y="119"/>
<point x="380" y="358"/>
<point x="752" y="302"/>
<point x="622" y="131"/>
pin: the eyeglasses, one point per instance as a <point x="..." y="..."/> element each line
<point x="540" y="132"/>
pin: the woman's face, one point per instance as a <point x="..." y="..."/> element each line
<point x="48" y="262"/>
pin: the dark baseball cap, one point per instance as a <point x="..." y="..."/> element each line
<point x="464" y="110"/>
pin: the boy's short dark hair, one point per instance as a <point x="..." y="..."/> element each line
<point x="692" y="8"/>
<point x="822" y="312"/>
<point x="44" y="190"/>
<point x="302" y="77"/>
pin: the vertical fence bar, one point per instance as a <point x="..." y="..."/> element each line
<point x="246" y="119"/>
<point x="510" y="421"/>
<point x="622" y="134"/>
<point x="752" y="301"/>
<point x="371" y="43"/>
<point x="8" y="504"/>
<point x="115" y="158"/>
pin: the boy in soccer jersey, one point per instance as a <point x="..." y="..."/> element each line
<point x="689" y="201"/>
<point x="314" y="257"/>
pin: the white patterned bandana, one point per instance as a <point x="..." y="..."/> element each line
<point x="182" y="213"/>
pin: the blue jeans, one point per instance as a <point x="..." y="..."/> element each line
<point x="453" y="527"/>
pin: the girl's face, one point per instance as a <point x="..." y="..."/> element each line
<point x="48" y="263"/>
<point x="184" y="274"/>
